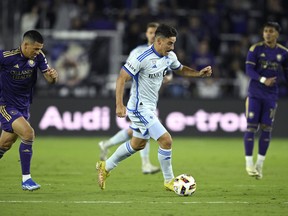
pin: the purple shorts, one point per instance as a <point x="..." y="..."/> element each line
<point x="9" y="114"/>
<point x="260" y="111"/>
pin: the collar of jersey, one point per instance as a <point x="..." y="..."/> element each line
<point x="158" y="54"/>
<point x="21" y="53"/>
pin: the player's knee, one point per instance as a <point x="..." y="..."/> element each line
<point x="266" y="128"/>
<point x="137" y="146"/>
<point x="28" y="134"/>
<point x="142" y="145"/>
<point x="252" y="128"/>
<point x="165" y="141"/>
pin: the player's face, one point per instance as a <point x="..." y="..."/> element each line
<point x="270" y="35"/>
<point x="31" y="50"/>
<point x="165" y="45"/>
<point x="150" y="35"/>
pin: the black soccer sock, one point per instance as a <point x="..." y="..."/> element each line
<point x="2" y="151"/>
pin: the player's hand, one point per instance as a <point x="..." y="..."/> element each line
<point x="121" y="111"/>
<point x="270" y="81"/>
<point x="206" y="72"/>
<point x="52" y="73"/>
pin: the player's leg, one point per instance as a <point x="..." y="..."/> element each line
<point x="269" y="110"/>
<point x="147" y="166"/>
<point x="26" y="133"/>
<point x="124" y="151"/>
<point x="252" y="116"/>
<point x="120" y="137"/>
<point x="7" y="136"/>
<point x="158" y="132"/>
<point x="6" y="141"/>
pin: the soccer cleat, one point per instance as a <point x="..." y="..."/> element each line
<point x="103" y="150"/>
<point x="169" y="186"/>
<point x="102" y="174"/>
<point x="251" y="170"/>
<point x="259" y="170"/>
<point x="30" y="185"/>
<point x="150" y="169"/>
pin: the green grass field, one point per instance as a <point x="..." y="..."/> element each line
<point x="65" y="168"/>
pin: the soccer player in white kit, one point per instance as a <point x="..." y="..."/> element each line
<point x="125" y="134"/>
<point x="147" y="70"/>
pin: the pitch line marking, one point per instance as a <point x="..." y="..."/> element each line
<point x="118" y="202"/>
<point x="124" y="202"/>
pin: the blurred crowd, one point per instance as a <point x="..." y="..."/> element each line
<point x="211" y="32"/>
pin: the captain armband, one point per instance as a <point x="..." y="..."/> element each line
<point x="262" y="80"/>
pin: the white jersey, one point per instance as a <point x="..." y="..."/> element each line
<point x="147" y="69"/>
<point x="139" y="49"/>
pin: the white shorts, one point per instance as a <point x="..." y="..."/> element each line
<point x="145" y="124"/>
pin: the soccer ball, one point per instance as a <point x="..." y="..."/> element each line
<point x="184" y="185"/>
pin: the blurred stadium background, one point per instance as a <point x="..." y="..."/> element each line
<point x="87" y="41"/>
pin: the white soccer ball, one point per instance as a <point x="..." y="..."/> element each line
<point x="184" y="185"/>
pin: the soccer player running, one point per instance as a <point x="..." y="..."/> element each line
<point x="146" y="71"/>
<point x="265" y="62"/>
<point x="18" y="71"/>
<point x="126" y="134"/>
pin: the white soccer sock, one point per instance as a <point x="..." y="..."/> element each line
<point x="260" y="160"/>
<point x="249" y="161"/>
<point x="120" y="137"/>
<point x="164" y="157"/>
<point x="144" y="153"/>
<point x="122" y="152"/>
<point x="25" y="177"/>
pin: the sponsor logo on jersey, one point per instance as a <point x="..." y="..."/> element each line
<point x="130" y="66"/>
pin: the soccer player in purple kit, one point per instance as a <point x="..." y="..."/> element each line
<point x="265" y="62"/>
<point x="18" y="75"/>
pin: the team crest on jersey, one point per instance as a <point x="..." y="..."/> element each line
<point x="13" y="112"/>
<point x="251" y="115"/>
<point x="31" y="63"/>
<point x="279" y="57"/>
<point x="154" y="63"/>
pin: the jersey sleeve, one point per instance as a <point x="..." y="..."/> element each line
<point x="43" y="64"/>
<point x="250" y="63"/>
<point x="175" y="64"/>
<point x="132" y="65"/>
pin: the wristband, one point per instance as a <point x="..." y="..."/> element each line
<point x="262" y="80"/>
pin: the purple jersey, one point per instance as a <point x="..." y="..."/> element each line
<point x="18" y="76"/>
<point x="267" y="62"/>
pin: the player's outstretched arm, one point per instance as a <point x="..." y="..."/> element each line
<point x="190" y="72"/>
<point x="120" y="86"/>
<point x="51" y="75"/>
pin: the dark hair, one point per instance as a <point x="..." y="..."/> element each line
<point x="34" y="36"/>
<point x="274" y="25"/>
<point x="166" y="31"/>
<point x="152" y="25"/>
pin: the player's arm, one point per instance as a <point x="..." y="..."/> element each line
<point x="167" y="78"/>
<point x="120" y="87"/>
<point x="251" y="71"/>
<point x="51" y="75"/>
<point x="190" y="72"/>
